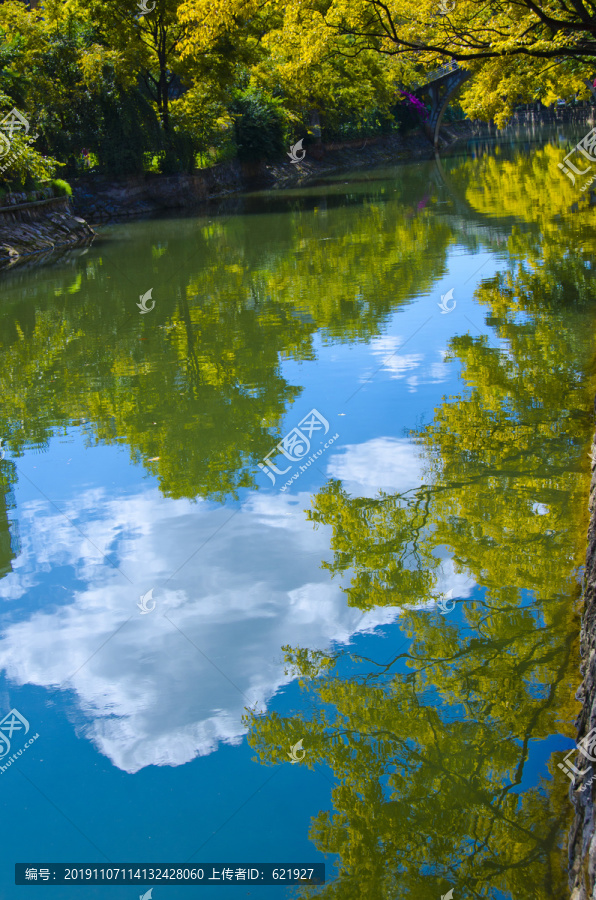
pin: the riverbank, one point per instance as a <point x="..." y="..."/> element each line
<point x="35" y="230"/>
<point x="98" y="199"/>
<point x="582" y="837"/>
<point x="32" y="230"/>
<point x="39" y="227"/>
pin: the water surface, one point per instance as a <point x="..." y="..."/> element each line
<point x="405" y="605"/>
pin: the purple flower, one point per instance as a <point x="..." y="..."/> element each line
<point x="415" y="103"/>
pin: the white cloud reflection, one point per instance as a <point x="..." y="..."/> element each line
<point x="399" y="365"/>
<point x="385" y="464"/>
<point x="155" y="692"/>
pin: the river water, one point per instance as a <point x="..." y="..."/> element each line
<point x="290" y="562"/>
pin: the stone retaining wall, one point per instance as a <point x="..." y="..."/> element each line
<point x="99" y="200"/>
<point x="582" y="837"/>
<point x="39" y="227"/>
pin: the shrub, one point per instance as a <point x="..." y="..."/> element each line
<point x="178" y="155"/>
<point x="24" y="166"/>
<point x="126" y="128"/>
<point x="61" y="187"/>
<point x="202" y="113"/>
<point x="258" y="125"/>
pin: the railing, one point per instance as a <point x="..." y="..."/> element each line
<point x="429" y="77"/>
<point x="16" y="207"/>
<point x="438" y="73"/>
<point x="29" y="212"/>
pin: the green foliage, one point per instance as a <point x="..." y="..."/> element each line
<point x="406" y="118"/>
<point x="127" y="128"/>
<point x="24" y="166"/>
<point x="202" y="112"/>
<point x="179" y="154"/>
<point x="61" y="187"/>
<point x="96" y="75"/>
<point x="258" y="124"/>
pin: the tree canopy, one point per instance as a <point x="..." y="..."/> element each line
<point x="167" y="89"/>
<point x="517" y="51"/>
